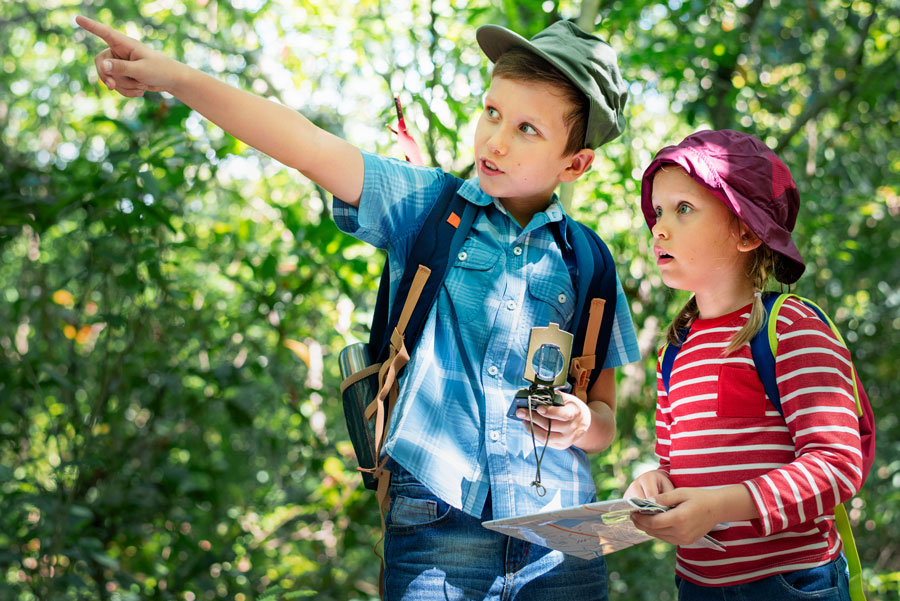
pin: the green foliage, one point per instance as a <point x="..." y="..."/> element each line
<point x="170" y="424"/>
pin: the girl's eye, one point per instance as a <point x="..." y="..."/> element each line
<point x="527" y="129"/>
<point x="658" y="211"/>
<point x="492" y="112"/>
<point x="684" y="208"/>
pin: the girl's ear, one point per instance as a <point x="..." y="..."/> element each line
<point x="747" y="240"/>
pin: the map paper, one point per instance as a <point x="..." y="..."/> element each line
<point x="586" y="531"/>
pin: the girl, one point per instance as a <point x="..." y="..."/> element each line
<point x="721" y="207"/>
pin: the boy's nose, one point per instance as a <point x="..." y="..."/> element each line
<point x="497" y="142"/>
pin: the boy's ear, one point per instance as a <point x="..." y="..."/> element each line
<point x="747" y="240"/>
<point x="578" y="164"/>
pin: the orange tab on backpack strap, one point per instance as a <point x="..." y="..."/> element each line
<point x="453" y="219"/>
<point x="580" y="369"/>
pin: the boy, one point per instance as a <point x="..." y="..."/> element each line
<point x="455" y="458"/>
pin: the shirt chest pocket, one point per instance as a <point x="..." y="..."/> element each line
<point x="552" y="299"/>
<point x="471" y="280"/>
<point x="740" y="393"/>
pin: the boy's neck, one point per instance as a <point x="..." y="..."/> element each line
<point x="522" y="211"/>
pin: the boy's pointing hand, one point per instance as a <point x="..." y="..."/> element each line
<point x="128" y="66"/>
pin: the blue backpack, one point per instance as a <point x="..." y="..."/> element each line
<point x="763" y="348"/>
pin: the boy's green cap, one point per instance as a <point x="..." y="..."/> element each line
<point x="589" y="62"/>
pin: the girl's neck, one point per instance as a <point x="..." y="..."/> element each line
<point x="724" y="298"/>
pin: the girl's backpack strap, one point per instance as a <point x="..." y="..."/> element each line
<point x="764" y="347"/>
<point x="764" y="344"/>
<point x="668" y="360"/>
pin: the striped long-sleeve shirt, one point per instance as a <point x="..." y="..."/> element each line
<point x="716" y="427"/>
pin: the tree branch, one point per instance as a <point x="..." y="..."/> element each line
<point x="824" y="99"/>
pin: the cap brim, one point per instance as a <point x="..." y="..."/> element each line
<point x="495" y="40"/>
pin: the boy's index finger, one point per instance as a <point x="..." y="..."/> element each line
<point x="104" y="32"/>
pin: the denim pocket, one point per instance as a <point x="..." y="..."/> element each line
<point x="414" y="508"/>
<point x="816" y="583"/>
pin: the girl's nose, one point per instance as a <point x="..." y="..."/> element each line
<point x="658" y="231"/>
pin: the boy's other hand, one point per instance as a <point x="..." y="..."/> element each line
<point x="649" y="484"/>
<point x="128" y="66"/>
<point x="570" y="421"/>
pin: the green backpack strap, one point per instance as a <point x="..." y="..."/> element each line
<point x="841" y="519"/>
<point x="842" y="522"/>
<point x="773" y="339"/>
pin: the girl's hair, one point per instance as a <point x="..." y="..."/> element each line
<point x="760" y="266"/>
<point x="518" y="64"/>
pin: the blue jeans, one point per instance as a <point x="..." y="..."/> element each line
<point x="435" y="552"/>
<point x="830" y="582"/>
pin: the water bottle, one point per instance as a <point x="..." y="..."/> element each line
<point x="356" y="398"/>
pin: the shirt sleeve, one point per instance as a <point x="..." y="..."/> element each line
<point x="394" y="203"/>
<point x="663" y="419"/>
<point x="813" y="373"/>
<point x="623" y="344"/>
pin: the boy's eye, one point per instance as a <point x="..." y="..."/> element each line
<point x="492" y="112"/>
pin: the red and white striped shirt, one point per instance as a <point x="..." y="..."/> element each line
<point x="716" y="427"/>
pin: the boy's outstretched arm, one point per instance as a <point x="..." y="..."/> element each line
<point x="132" y="68"/>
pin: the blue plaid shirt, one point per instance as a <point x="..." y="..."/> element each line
<point x="449" y="428"/>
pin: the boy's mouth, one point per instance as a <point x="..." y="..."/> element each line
<point x="490" y="168"/>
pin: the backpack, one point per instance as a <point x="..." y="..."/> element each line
<point x="369" y="393"/>
<point x="763" y="348"/>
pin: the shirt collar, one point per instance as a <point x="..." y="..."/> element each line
<point x="554" y="213"/>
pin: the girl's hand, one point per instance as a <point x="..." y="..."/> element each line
<point x="649" y="484"/>
<point x="696" y="512"/>
<point x="128" y="66"/>
<point x="570" y="421"/>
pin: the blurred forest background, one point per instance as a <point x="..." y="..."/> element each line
<point x="172" y="303"/>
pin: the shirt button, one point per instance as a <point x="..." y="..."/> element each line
<point x="495" y="436"/>
<point x="511" y="305"/>
<point x="493" y="370"/>
<point x="561" y="298"/>
<point x="462" y="256"/>
<point x="517" y="250"/>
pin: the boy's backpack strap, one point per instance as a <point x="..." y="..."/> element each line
<point x="595" y="289"/>
<point x="393" y="338"/>
<point x="442" y="234"/>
